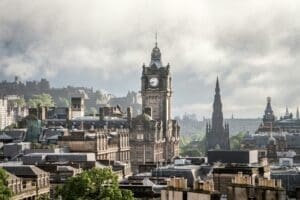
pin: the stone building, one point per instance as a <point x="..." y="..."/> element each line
<point x="147" y="143"/>
<point x="26" y="181"/>
<point x="154" y="136"/>
<point x="24" y="89"/>
<point x="177" y="189"/>
<point x="269" y="119"/>
<point x="274" y="135"/>
<point x="107" y="144"/>
<point x="244" y="187"/>
<point x="223" y="174"/>
<point x="4" y="121"/>
<point x="217" y="135"/>
<point x="287" y="123"/>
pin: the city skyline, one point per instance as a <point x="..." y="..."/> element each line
<point x="254" y="55"/>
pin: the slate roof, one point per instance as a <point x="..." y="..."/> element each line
<point x="25" y="171"/>
<point x="15" y="134"/>
<point x="4" y="137"/>
<point x="292" y="139"/>
<point x="190" y="172"/>
<point x="58" y="157"/>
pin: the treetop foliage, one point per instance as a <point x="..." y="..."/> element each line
<point x="5" y="192"/>
<point x="93" y="184"/>
<point x="43" y="100"/>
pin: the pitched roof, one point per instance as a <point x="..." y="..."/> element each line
<point x="4" y="136"/>
<point x="24" y="170"/>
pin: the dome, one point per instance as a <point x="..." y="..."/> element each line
<point x="156" y="57"/>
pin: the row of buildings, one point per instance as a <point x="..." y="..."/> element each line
<point x="143" y="149"/>
<point x="61" y="141"/>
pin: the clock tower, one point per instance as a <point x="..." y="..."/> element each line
<point x="154" y="136"/>
<point x="156" y="88"/>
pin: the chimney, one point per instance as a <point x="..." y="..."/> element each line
<point x="148" y="111"/>
<point x="101" y="113"/>
<point x="69" y="113"/>
<point x="41" y="113"/>
<point x="129" y="115"/>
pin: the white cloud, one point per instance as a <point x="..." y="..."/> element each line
<point x="252" y="45"/>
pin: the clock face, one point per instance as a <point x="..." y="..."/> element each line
<point x="153" y="82"/>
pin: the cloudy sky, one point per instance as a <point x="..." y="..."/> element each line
<point x="253" y="46"/>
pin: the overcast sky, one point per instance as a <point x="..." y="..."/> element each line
<point x="253" y="46"/>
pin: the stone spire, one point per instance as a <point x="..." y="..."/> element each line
<point x="217" y="135"/>
<point x="217" y="117"/>
<point x="287" y="111"/>
<point x="268" y="109"/>
<point x="269" y="117"/>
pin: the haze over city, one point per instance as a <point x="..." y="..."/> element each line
<point x="252" y="46"/>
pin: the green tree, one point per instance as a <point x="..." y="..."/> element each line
<point x="63" y="102"/>
<point x="193" y="147"/>
<point x="44" y="100"/>
<point x="21" y="102"/>
<point x="99" y="94"/>
<point x="235" y="141"/>
<point x="5" y="192"/>
<point x="43" y="197"/>
<point x="93" y="184"/>
<point x="92" y="111"/>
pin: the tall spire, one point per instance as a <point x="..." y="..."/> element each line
<point x="155" y="39"/>
<point x="217" y="108"/>
<point x="269" y="117"/>
<point x="297" y="113"/>
<point x="218" y="135"/>
<point x="268" y="109"/>
<point x="217" y="86"/>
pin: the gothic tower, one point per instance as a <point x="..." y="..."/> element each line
<point x="156" y="91"/>
<point x="156" y="88"/>
<point x="269" y="117"/>
<point x="217" y="135"/>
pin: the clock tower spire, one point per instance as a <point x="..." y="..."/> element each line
<point x="156" y="87"/>
<point x="154" y="131"/>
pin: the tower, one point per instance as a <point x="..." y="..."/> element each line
<point x="154" y="135"/>
<point x="268" y="117"/>
<point x="156" y="88"/>
<point x="216" y="134"/>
